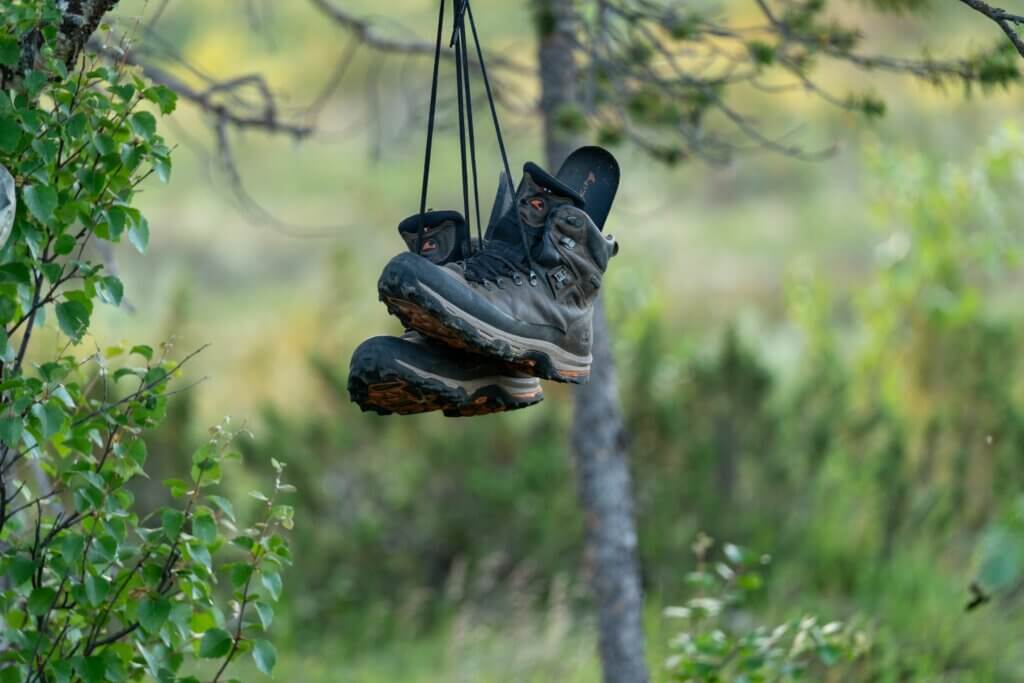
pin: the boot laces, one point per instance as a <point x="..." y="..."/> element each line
<point x="498" y="259"/>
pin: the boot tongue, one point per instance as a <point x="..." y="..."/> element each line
<point x="509" y="237"/>
<point x="506" y="229"/>
<point x="539" y="193"/>
<point x="439" y="236"/>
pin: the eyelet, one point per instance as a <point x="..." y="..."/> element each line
<point x="517" y="279"/>
<point x="488" y="285"/>
<point x="533" y="279"/>
<point x="500" y="282"/>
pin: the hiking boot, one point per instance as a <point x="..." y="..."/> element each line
<point x="415" y="374"/>
<point x="526" y="298"/>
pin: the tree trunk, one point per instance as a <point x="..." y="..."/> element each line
<point x="598" y="431"/>
<point x="81" y="18"/>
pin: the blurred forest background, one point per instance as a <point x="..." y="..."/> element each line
<point x="821" y="361"/>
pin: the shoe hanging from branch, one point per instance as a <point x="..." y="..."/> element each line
<point x="487" y="318"/>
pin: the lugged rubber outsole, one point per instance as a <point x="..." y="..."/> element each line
<point x="388" y="391"/>
<point x="427" y="316"/>
<point x="415" y="304"/>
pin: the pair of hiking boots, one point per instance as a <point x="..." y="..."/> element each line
<point x="485" y="322"/>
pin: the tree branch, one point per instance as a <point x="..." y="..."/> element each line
<point x="364" y="31"/>
<point x="81" y="19"/>
<point x="1005" y="20"/>
<point x="261" y="116"/>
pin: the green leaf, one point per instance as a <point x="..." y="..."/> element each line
<point x="41" y="200"/>
<point x="64" y="245"/>
<point x="272" y="582"/>
<point x="215" y="643"/>
<point x="224" y="505"/>
<point x="111" y="290"/>
<point x="200" y="555"/>
<point x="828" y="654"/>
<point x="138" y="235"/>
<point x="10" y="431"/>
<point x="163" y="97"/>
<point x="91" y="669"/>
<point x="125" y="91"/>
<point x="1002" y="563"/>
<point x="46" y="150"/>
<point x="31" y="121"/>
<point x="73" y="318"/>
<point x="51" y="417"/>
<point x="266" y="614"/>
<point x="117" y="218"/>
<point x="144" y="124"/>
<point x="61" y="394"/>
<point x="265" y="656"/>
<point x="204" y="527"/>
<point x="240" y="574"/>
<point x="162" y="166"/>
<point x="177" y="487"/>
<point x="153" y="614"/>
<point x="10" y="51"/>
<point x="12" y="674"/>
<point x="143" y="350"/>
<point x="76" y="125"/>
<point x="127" y="372"/>
<point x="16" y="273"/>
<point x="172" y="521"/>
<point x="21" y="569"/>
<point x="40" y="600"/>
<point x="10" y="134"/>
<point x="104" y="144"/>
<point x="96" y="589"/>
<point x="131" y="156"/>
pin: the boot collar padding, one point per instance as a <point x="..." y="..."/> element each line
<point x="550" y="182"/>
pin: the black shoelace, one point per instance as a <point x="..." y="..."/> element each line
<point x="499" y="260"/>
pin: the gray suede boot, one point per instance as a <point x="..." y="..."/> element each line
<point x="415" y="374"/>
<point x="527" y="298"/>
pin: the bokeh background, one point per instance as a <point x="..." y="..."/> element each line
<point x="820" y="361"/>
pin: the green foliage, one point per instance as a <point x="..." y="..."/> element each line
<point x="997" y="67"/>
<point x="544" y="19"/>
<point x="871" y="107"/>
<point x="1001" y="552"/>
<point x="571" y="119"/>
<point x="90" y="590"/>
<point x="610" y="136"/>
<point x="718" y="644"/>
<point x="761" y="52"/>
<point x="902" y="6"/>
<point x="862" y="458"/>
<point x="686" y="26"/>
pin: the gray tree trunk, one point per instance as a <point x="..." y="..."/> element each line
<point x="598" y="430"/>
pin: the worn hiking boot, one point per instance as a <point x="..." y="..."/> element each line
<point x="526" y="298"/>
<point x="415" y="374"/>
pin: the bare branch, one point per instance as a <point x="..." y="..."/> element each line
<point x="369" y="35"/>
<point x="1005" y="20"/>
<point x="261" y="116"/>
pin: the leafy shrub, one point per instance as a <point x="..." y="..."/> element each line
<point x="89" y="590"/>
<point x="870" y="467"/>
<point x="720" y="643"/>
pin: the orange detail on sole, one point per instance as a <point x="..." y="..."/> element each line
<point x="415" y="317"/>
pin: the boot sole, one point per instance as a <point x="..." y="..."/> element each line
<point x="387" y="390"/>
<point x="425" y="311"/>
